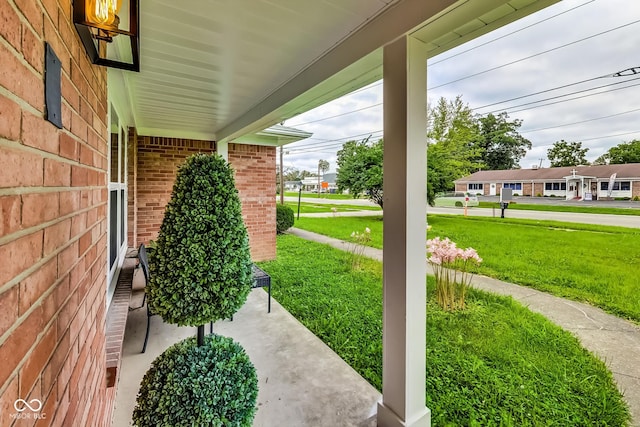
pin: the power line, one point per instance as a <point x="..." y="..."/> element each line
<point x="632" y="71"/>
<point x="594" y="138"/>
<point x="321" y="148"/>
<point x="510" y="34"/>
<point x="339" y="115"/>
<point x="535" y="54"/>
<point x="337" y="141"/>
<point x="582" y="121"/>
<point x="566" y="100"/>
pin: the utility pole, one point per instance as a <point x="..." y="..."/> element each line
<point x="281" y="175"/>
<point x="318" y="194"/>
<point x="540" y="165"/>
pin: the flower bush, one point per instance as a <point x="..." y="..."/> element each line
<point x="451" y="267"/>
<point x="357" y="245"/>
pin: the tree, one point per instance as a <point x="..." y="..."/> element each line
<point x="451" y="149"/>
<point x="602" y="160"/>
<point x="565" y="153"/>
<point x="360" y="169"/>
<point x="501" y="145"/>
<point x="627" y="152"/>
<point x="323" y="166"/>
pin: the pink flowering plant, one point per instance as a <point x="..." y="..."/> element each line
<point x="451" y="267"/>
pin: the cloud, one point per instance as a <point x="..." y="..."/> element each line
<point x="588" y="55"/>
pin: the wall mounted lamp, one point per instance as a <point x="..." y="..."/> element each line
<point x="109" y="34"/>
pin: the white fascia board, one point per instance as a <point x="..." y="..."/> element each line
<point x="275" y="136"/>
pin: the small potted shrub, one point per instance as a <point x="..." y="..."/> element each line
<point x="200" y="273"/>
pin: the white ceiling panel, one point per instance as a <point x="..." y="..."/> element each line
<point x="218" y="68"/>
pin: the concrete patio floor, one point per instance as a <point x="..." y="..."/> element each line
<point x="302" y="382"/>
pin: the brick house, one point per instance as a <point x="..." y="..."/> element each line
<point x="580" y="182"/>
<point x="73" y="198"/>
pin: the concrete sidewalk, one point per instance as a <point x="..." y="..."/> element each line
<point x="613" y="340"/>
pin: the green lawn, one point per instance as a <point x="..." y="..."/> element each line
<point x="596" y="264"/>
<point x="495" y="364"/>
<point x="556" y="208"/>
<point x="306" y="207"/>
<point x="321" y="196"/>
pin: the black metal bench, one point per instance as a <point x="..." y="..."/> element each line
<point x="260" y="280"/>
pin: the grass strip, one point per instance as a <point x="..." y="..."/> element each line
<point x="631" y="210"/>
<point x="584" y="262"/>
<point x="495" y="363"/>
<point x="307" y="207"/>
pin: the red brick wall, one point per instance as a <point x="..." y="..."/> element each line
<point x="255" y="168"/>
<point x="156" y="163"/>
<point x="635" y="189"/>
<point x="53" y="202"/>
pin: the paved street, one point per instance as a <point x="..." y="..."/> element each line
<point x="632" y="221"/>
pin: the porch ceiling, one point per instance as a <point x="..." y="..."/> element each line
<point x="220" y="69"/>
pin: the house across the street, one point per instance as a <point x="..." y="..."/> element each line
<point x="572" y="182"/>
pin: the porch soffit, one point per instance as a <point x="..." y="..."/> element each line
<point x="219" y="69"/>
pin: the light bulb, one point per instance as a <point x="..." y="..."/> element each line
<point x="103" y="12"/>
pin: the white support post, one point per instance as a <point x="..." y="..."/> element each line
<point x="222" y="148"/>
<point x="405" y="205"/>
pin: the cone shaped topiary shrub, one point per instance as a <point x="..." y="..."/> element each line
<point x="190" y="385"/>
<point x="201" y="268"/>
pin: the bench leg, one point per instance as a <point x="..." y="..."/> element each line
<point x="269" y="299"/>
<point x="146" y="335"/>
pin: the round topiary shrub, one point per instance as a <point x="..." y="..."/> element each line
<point x="201" y="268"/>
<point x="190" y="385"/>
<point x="284" y="218"/>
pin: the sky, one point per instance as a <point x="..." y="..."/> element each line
<point x="575" y="44"/>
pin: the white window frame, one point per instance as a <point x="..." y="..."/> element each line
<point x="113" y="271"/>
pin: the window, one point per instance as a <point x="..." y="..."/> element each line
<point x="555" y="186"/>
<point x="512" y="185"/>
<point x="117" y="219"/>
<point x="475" y="186"/>
<point x="617" y="186"/>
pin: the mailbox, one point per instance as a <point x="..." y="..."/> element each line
<point x="505" y="196"/>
